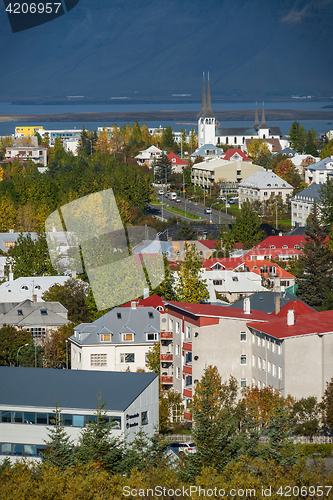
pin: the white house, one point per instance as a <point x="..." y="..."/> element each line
<point x="38" y="154"/>
<point x="118" y="341"/>
<point x="318" y="172"/>
<point x="230" y="284"/>
<point x="27" y="405"/>
<point x="302" y="203"/>
<point x="261" y="185"/>
<point x="149" y="155"/>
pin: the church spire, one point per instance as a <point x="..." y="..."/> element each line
<point x="209" y="112"/>
<point x="203" y="103"/>
<point x="256" y="121"/>
<point x="263" y="122"/>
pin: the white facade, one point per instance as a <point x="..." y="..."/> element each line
<point x="261" y="186"/>
<point x="38" y="154"/>
<point x="319" y="172"/>
<point x="205" y="173"/>
<point x="302" y="204"/>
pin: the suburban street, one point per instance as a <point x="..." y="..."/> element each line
<point x="191" y="208"/>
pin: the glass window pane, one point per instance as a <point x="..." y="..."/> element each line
<point x="67" y="420"/>
<point x="17" y="449"/>
<point x="17" y="416"/>
<point x="42" y="418"/>
<point x="116" y="422"/>
<point x="78" y="420"/>
<point x="6" y="416"/>
<point x="30" y="449"/>
<point x="6" y="448"/>
<point x="29" y="418"/>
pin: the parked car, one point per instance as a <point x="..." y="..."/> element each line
<point x="233" y="200"/>
<point x="160" y="191"/>
<point x="222" y="198"/>
<point x="178" y="447"/>
<point x="208" y="210"/>
<point x="178" y="200"/>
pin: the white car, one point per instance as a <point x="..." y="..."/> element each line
<point x="160" y="191"/>
<point x="208" y="210"/>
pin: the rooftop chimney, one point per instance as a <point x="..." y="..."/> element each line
<point x="11" y="274"/>
<point x="133" y="304"/>
<point x="277" y="302"/>
<point x="145" y="293"/>
<point x="246" y="306"/>
<point x="290" y="317"/>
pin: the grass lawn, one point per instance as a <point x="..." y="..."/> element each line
<point x="179" y="211"/>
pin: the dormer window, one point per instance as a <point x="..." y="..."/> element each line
<point x="43" y="312"/>
<point x="20" y="312"/>
<point x="150" y="315"/>
<point x="152" y="336"/>
<point x="128" y="337"/>
<point x="235" y="278"/>
<point x="24" y="287"/>
<point x="159" y="308"/>
<point x="106" y="337"/>
<point x="284" y="246"/>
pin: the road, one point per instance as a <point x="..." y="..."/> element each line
<point x="191" y="208"/>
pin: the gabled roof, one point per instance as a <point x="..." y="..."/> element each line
<point x="202" y="151"/>
<point x="175" y="160"/>
<point x="154" y="301"/>
<point x="265" y="301"/>
<point x="308" y="194"/>
<point x="29" y="313"/>
<point x="265" y="179"/>
<point x="208" y="310"/>
<point x="229" y="154"/>
<point x="280" y="242"/>
<point x="286" y="151"/>
<point x="325" y="164"/>
<point x="73" y="389"/>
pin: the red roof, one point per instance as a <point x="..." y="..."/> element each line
<point x="312" y="323"/>
<point x="152" y="301"/>
<point x="209" y="243"/>
<point x="272" y="252"/>
<point x="255" y="265"/>
<point x="281" y="241"/>
<point x="219" y="311"/>
<point x="230" y="153"/>
<point x="227" y="263"/>
<point x="298" y="307"/>
<point x="175" y="160"/>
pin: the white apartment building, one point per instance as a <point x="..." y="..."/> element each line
<point x="261" y="185"/>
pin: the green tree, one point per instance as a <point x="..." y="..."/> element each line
<point x="168" y="137"/>
<point x="96" y="444"/>
<point x="298" y="137"/>
<point x="186" y="232"/>
<point x="190" y="287"/>
<point x="59" y="447"/>
<point x="325" y="202"/>
<point x="73" y="295"/>
<point x="315" y="265"/>
<point x="163" y="169"/>
<point x="170" y="409"/>
<point x="153" y="362"/>
<point x="57" y="349"/>
<point x="30" y="257"/>
<point x="246" y="228"/>
<point x="327" y="150"/>
<point x="8" y="214"/>
<point x="32" y="355"/>
<point x="5" y="142"/>
<point x="166" y="288"/>
<point x="193" y="141"/>
<point x="226" y="241"/>
<point x="305" y="417"/>
<point x="280" y="448"/>
<point x="327" y="405"/>
<point x="11" y="339"/>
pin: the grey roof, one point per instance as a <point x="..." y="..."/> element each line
<point x="298" y="230"/>
<point x="262" y="180"/>
<point x="308" y="194"/>
<point x="137" y="320"/>
<point x="71" y="388"/>
<point x="249" y="131"/>
<point x="320" y="165"/>
<point x="207" y="147"/>
<point x="285" y="151"/>
<point x="265" y="301"/>
<point x="12" y="237"/>
<point x="29" y="313"/>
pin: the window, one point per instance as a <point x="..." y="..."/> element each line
<point x="150" y="315"/>
<point x="127" y="357"/>
<point x="178" y="372"/>
<point x="274" y="370"/>
<point x="29" y="418"/>
<point x="243" y="359"/>
<point x="253" y="338"/>
<point x="37" y="333"/>
<point x="258" y="341"/>
<point x="262" y="342"/>
<point x="152" y="336"/>
<point x="171" y="325"/>
<point x="98" y="359"/>
<point x="259" y="363"/>
<point x="253" y="360"/>
<point x="78" y="420"/>
<point x="6" y="416"/>
<point x="20" y="312"/>
<point x="259" y="384"/>
<point x="9" y="244"/>
<point x="272" y="345"/>
<point x="144" y="418"/>
<point x="280" y="373"/>
<point x="188" y="357"/>
<point x="42" y="418"/>
<point x="264" y="364"/>
<point x="269" y="367"/>
<point x="243" y="336"/>
<point x="79" y="357"/>
<point x="43" y="312"/>
<point x="118" y="315"/>
<point x="188" y="380"/>
<point x="243" y="382"/>
<point x="279" y="349"/>
<point x="235" y="278"/>
<point x="188" y="332"/>
<point x="128" y="337"/>
<point x="17" y="417"/>
<point x="177" y="349"/>
<point x="177" y="327"/>
<point x="115" y="422"/>
<point x="106" y="338"/>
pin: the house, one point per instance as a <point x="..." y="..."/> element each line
<point x="177" y="163"/>
<point x="25" y="131"/>
<point x="28" y="396"/>
<point x="173" y="250"/>
<point x="261" y="185"/>
<point x="207" y="151"/>
<point x="32" y="287"/>
<point x="38" y="154"/>
<point x="149" y="155"/>
<point x="38" y="318"/>
<point x="8" y="240"/>
<point x="233" y="154"/>
<point x="281" y="242"/>
<point x="302" y="204"/>
<point x="118" y="341"/>
<point x="221" y="171"/>
<point x="230" y="284"/>
<point x="301" y="161"/>
<point x="318" y="172"/>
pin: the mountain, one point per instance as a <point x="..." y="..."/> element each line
<point x="153" y="49"/>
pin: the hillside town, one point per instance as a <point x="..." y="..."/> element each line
<point x="173" y="274"/>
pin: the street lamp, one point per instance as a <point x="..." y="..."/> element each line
<point x="66" y="354"/>
<point x="220" y="215"/>
<point x="210" y="215"/>
<point x="17" y="362"/>
<point x="162" y="206"/>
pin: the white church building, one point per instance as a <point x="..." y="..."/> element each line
<point x="210" y="133"/>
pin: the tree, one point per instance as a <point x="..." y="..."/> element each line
<point x="226" y="241"/>
<point x="170" y="409"/>
<point x="186" y="232"/>
<point x="280" y="448"/>
<point x="32" y="355"/>
<point x="260" y="404"/>
<point x="103" y="142"/>
<point x="8" y="214"/>
<point x="190" y="287"/>
<point x="56" y="349"/>
<point x="59" y="447"/>
<point x="327" y="150"/>
<point x="216" y="430"/>
<point x="258" y="151"/>
<point x="298" y="137"/>
<point x="315" y="265"/>
<point x="30" y="257"/>
<point x="168" y="137"/>
<point x="96" y="444"/>
<point x="166" y="288"/>
<point x="326" y="205"/>
<point x="5" y="142"/>
<point x="327" y="405"/>
<point x="153" y="362"/>
<point x="163" y="168"/>
<point x="193" y="141"/>
<point x="11" y="339"/>
<point x="246" y="228"/>
<point x="72" y="295"/>
<point x="305" y="418"/>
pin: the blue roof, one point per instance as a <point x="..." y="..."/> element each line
<point x="74" y="389"/>
<point x="308" y="194"/>
<point x="320" y="165"/>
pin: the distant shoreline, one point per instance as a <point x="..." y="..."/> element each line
<point x="188" y="117"/>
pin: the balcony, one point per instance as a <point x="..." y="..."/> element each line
<point x="167" y="357"/>
<point x="166" y="335"/>
<point x="187" y="369"/>
<point x="187" y="346"/>
<point x="167" y="380"/>
<point x="187" y="392"/>
<point x="187" y="415"/>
